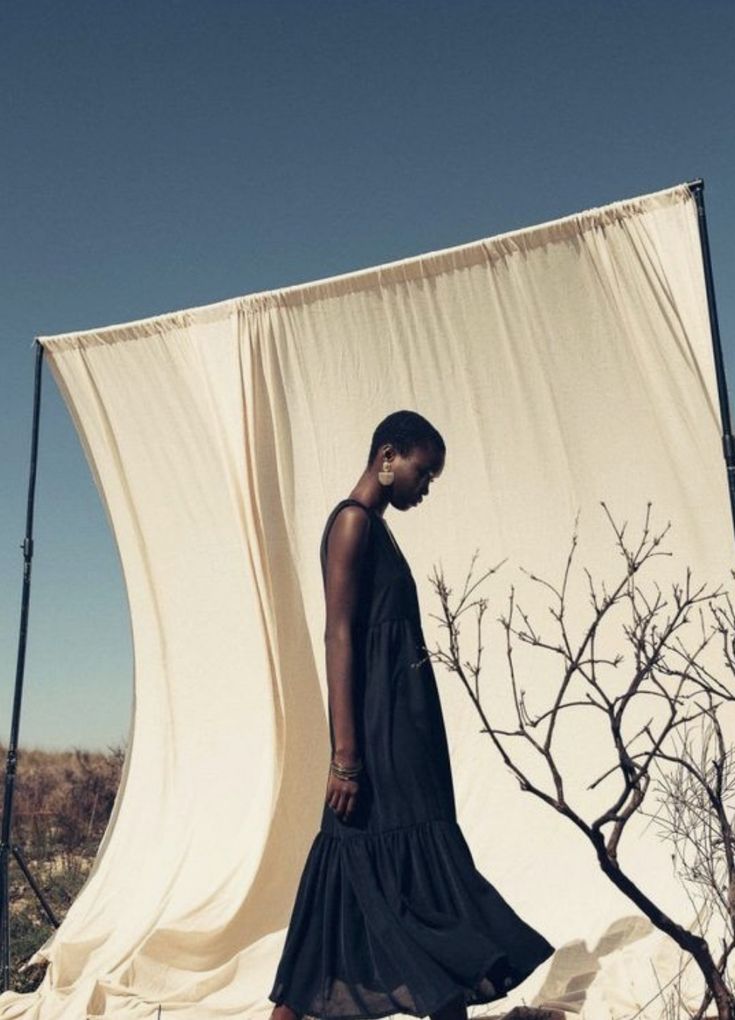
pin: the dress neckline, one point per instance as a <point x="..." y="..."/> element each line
<point x="351" y="499"/>
<point x="374" y="512"/>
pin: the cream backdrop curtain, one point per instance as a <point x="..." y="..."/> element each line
<point x="565" y="364"/>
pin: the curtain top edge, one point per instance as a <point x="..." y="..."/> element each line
<point x="426" y="264"/>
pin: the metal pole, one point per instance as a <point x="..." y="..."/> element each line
<point x="5" y="848"/>
<point x="728" y="444"/>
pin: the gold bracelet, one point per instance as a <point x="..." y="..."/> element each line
<point x="345" y="771"/>
<point x="358" y="762"/>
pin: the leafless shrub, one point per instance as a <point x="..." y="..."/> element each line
<point x="695" y="788"/>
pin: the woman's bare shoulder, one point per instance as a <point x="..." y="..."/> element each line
<point x="349" y="530"/>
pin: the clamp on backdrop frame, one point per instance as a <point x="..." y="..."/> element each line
<point x="6" y="847"/>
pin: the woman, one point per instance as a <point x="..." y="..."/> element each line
<point x="391" y="915"/>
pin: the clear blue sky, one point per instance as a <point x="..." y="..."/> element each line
<point x="159" y="155"/>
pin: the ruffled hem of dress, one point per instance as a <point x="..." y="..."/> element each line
<point x="399" y="922"/>
<point x="470" y="994"/>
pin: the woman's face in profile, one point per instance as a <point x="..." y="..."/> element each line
<point x="414" y="474"/>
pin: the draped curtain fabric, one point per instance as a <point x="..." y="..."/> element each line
<point x="565" y="364"/>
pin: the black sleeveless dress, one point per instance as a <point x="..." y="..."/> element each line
<point x="391" y="915"/>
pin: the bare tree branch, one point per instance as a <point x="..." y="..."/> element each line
<point x="696" y="794"/>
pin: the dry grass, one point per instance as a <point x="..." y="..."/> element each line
<point x="61" y="806"/>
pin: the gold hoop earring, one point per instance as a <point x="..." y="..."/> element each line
<point x="386" y="476"/>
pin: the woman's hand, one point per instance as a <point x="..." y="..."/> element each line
<point x="341" y="795"/>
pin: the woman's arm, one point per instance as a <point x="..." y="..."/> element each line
<point x="346" y="546"/>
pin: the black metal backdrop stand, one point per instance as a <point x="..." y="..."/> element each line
<point x="6" y="848"/>
<point x="728" y="447"/>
